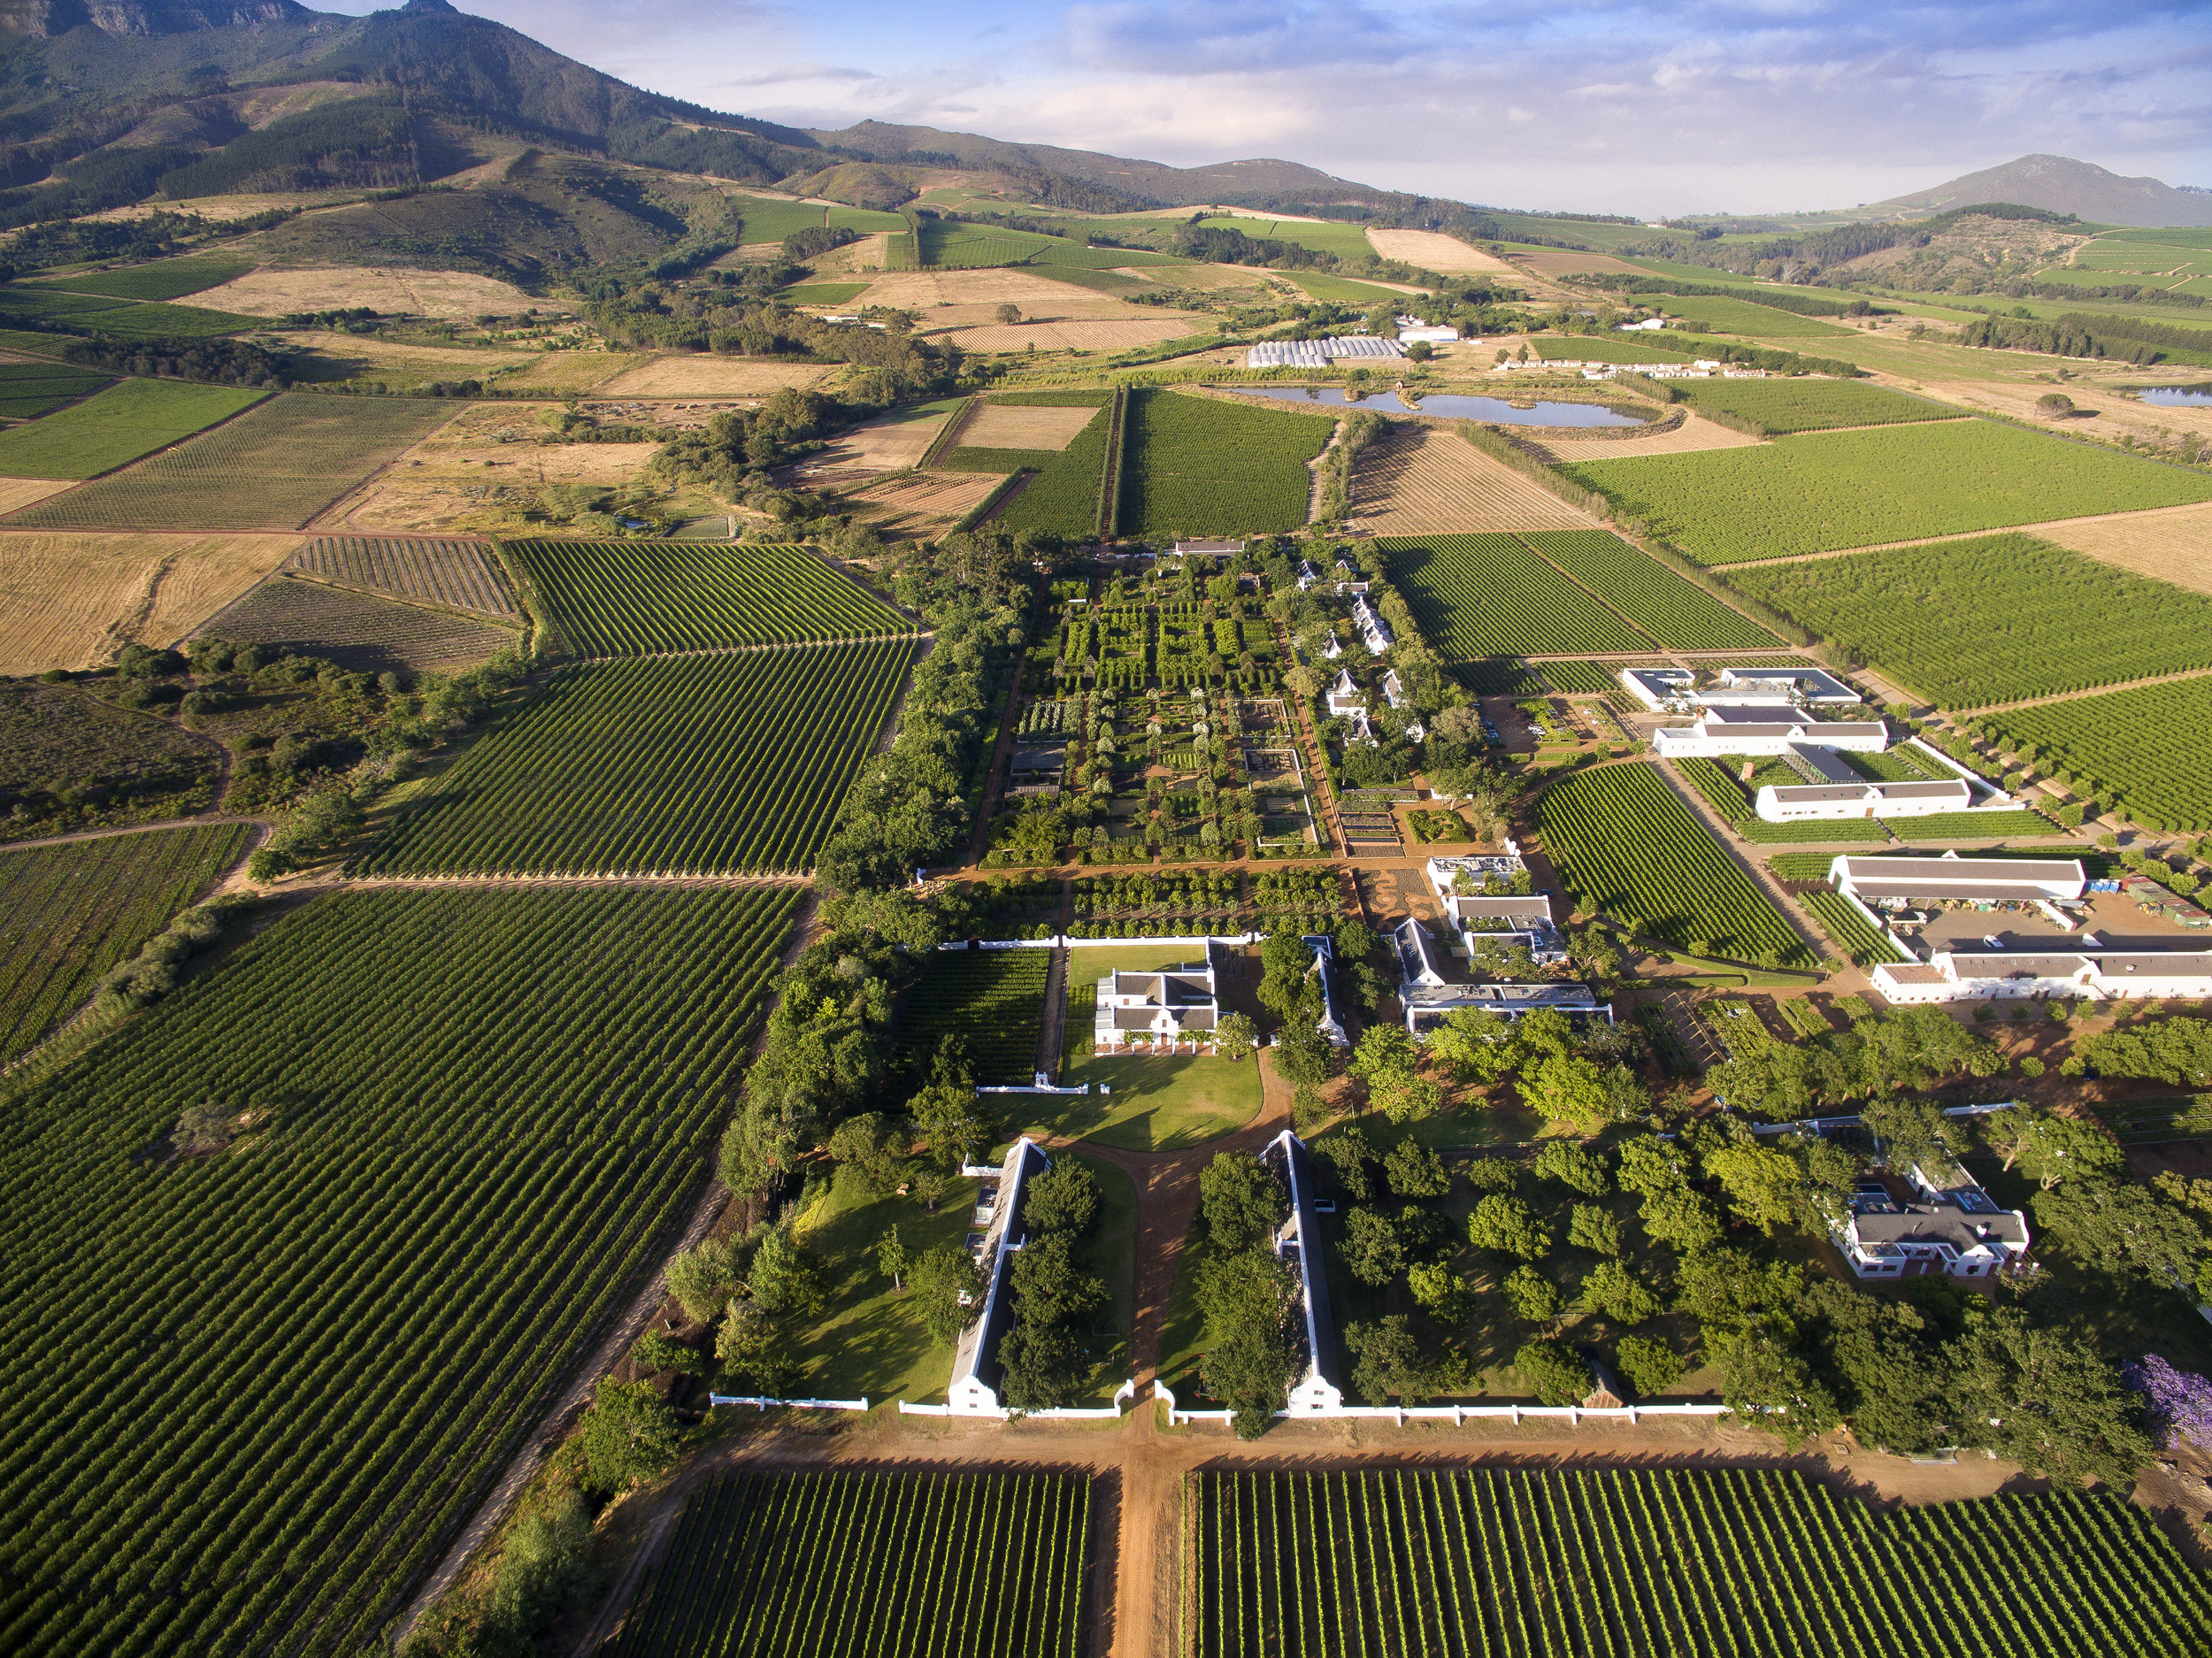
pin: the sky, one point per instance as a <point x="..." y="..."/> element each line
<point x="1656" y="108"/>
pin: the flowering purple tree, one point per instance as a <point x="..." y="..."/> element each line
<point x="2180" y="1400"/>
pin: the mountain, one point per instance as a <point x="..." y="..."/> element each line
<point x="2063" y="185"/>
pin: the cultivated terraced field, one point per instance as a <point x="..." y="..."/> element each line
<point x="1488" y="596"/>
<point x="923" y="1566"/>
<point x="705" y="764"/>
<point x="1199" y="466"/>
<point x="1673" y="610"/>
<point x="1626" y="845"/>
<point x="1629" y="1561"/>
<point x="473" y="1116"/>
<point x="634" y="598"/>
<point x="460" y="575"/>
<point x="356" y="631"/>
<point x="1826" y="490"/>
<point x="70" y="912"/>
<point x="272" y="468"/>
<point x="1995" y="619"/>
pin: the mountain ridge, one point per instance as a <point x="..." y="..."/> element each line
<point x="2061" y="184"/>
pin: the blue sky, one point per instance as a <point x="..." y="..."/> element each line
<point x="1660" y="107"/>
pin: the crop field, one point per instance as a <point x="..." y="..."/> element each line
<point x="767" y="219"/>
<point x="28" y="390"/>
<point x="1198" y="466"/>
<point x="76" y="309"/>
<point x="131" y="418"/>
<point x="1979" y="825"/>
<point x="1063" y="498"/>
<point x="2148" y="749"/>
<point x="1822" y="491"/>
<point x="1417" y="480"/>
<point x="466" y="1120"/>
<point x="707" y="765"/>
<point x="993" y="1000"/>
<point x="1625" y="1563"/>
<point x="456" y="574"/>
<point x="357" y="630"/>
<point x="1854" y="934"/>
<point x="1783" y="406"/>
<point x="1031" y="425"/>
<point x="1672" y="609"/>
<point x="272" y="468"/>
<point x="1627" y="846"/>
<point x="1746" y="317"/>
<point x="70" y="912"/>
<point x="168" y="322"/>
<point x="1995" y="619"/>
<point x="1583" y="678"/>
<point x="633" y="598"/>
<point x="869" y="1565"/>
<point x="170" y="279"/>
<point x="69" y="601"/>
<point x="1488" y="596"/>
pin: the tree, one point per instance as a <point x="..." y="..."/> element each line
<point x="1535" y="1298"/>
<point x="1649" y="1165"/>
<point x="1064" y="1199"/>
<point x="1684" y="1220"/>
<point x="2118" y="1228"/>
<point x="1351" y="1150"/>
<point x="949" y="1114"/>
<point x="1245" y="1203"/>
<point x="1236" y="1036"/>
<point x="1595" y="1228"/>
<point x="1553" y="1373"/>
<point x="1371" y="1250"/>
<point x="1049" y="1286"/>
<point x="1726" y="1290"/>
<point x="1475" y="1045"/>
<point x="1414" y="1171"/>
<point x="2054" y="405"/>
<point x="2176" y="1051"/>
<point x="1764" y="1185"/>
<point x="1450" y="1298"/>
<point x="1574" y="1166"/>
<point x="627" y="1436"/>
<point x="1009" y="314"/>
<point x="656" y="1353"/>
<point x="892" y="1260"/>
<point x="1567" y="1088"/>
<point x="1386" y="1055"/>
<point x="1507" y="1226"/>
<point x="1406" y="1099"/>
<point x="2049" y="1149"/>
<point x="2048" y="1401"/>
<point x="1617" y="1295"/>
<point x="862" y="1144"/>
<point x="1387" y="1361"/>
<point x="1247" y="1299"/>
<point x="1302" y="1055"/>
<point x="1766" y="1383"/>
<point x="1042" y="1362"/>
<point x="700" y="1278"/>
<point x="938" y="1278"/>
<point x="784" y="1278"/>
<point x="1651" y="1366"/>
<point x="754" y="1351"/>
<point x="1911" y="1133"/>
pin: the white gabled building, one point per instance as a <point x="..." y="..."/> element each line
<point x="1956" y="1228"/>
<point x="1526" y="922"/>
<point x="2094" y="972"/>
<point x="1774" y="688"/>
<point x="1765" y="731"/>
<point x="1899" y="881"/>
<point x="1371" y="627"/>
<point x="1345" y="699"/>
<point x="1808" y="802"/>
<point x="1324" y="949"/>
<point x="1394" y="693"/>
<point x="1316" y="1392"/>
<point x="976" y="1371"/>
<point x="1177" y="1003"/>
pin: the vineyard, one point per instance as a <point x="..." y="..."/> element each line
<point x="68" y="913"/>
<point x="634" y="598"/>
<point x="28" y="390"/>
<point x="357" y="630"/>
<point x="2148" y="749"/>
<point x="1746" y="317"/>
<point x="274" y="467"/>
<point x="456" y="574"/>
<point x="1857" y="937"/>
<point x="1626" y="1563"/>
<point x="1673" y="610"/>
<point x="1977" y="825"/>
<point x="992" y="1000"/>
<point x="1827" y="490"/>
<point x="1996" y="620"/>
<point x="707" y="764"/>
<point x="1063" y="498"/>
<point x="1625" y="844"/>
<point x="130" y="418"/>
<point x="1782" y="406"/>
<point x="869" y="1565"/>
<point x="1488" y="596"/>
<point x="462" y="1122"/>
<point x="168" y="278"/>
<point x="1199" y="466"/>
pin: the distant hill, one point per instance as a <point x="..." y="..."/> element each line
<point x="2061" y="185"/>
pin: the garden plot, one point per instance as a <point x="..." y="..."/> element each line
<point x="355" y="631"/>
<point x="993" y="1001"/>
<point x="394" y="292"/>
<point x="1418" y="480"/>
<point x="72" y="601"/>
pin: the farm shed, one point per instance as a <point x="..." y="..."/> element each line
<point x="2100" y="975"/>
<point x="1904" y="880"/>
<point x="1719" y="731"/>
<point x="1316" y="1392"/>
<point x="976" y="1371"/>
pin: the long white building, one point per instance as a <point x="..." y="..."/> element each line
<point x="1895" y="881"/>
<point x="1999" y="974"/>
<point x="1765" y="731"/>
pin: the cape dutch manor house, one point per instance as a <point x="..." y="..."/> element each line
<point x="1162" y="1006"/>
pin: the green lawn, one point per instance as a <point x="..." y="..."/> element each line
<point x="1183" y="1341"/>
<point x="1156" y="1104"/>
<point x="1112" y="1256"/>
<point x="131" y="418"/>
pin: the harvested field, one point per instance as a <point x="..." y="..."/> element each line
<point x="1013" y="426"/>
<point x="2168" y="545"/>
<point x="701" y="375"/>
<point x="1075" y="334"/>
<point x="1695" y="433"/>
<point x="357" y="632"/>
<point x="459" y="575"/>
<point x="1419" y="481"/>
<point x="1566" y="262"/>
<point x="399" y="364"/>
<point x="926" y="504"/>
<point x="889" y="445"/>
<point x="484" y="470"/>
<point x="277" y="465"/>
<point x="392" y="292"/>
<point x="564" y="374"/>
<point x="72" y="601"/>
<point x="17" y="493"/>
<point x="1432" y="250"/>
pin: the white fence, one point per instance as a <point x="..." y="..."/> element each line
<point x="1074" y="942"/>
<point x="1458" y="1416"/>
<point x="1123" y="1395"/>
<point x="760" y="1403"/>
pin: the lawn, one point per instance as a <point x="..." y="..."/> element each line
<point x="131" y="418"/>
<point x="1156" y="1103"/>
<point x="1823" y="491"/>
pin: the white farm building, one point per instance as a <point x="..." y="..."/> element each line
<point x="976" y="1371"/>
<point x="1172" y="1005"/>
<point x="1765" y="731"/>
<point x="1316" y="1392"/>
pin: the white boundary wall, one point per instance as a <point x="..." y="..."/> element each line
<point x="1125" y="1394"/>
<point x="761" y="1404"/>
<point x="1069" y="941"/>
<point x="1458" y="1416"/>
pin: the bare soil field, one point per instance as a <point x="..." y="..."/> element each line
<point x="72" y="601"/>
<point x="2169" y="543"/>
<point x="690" y="374"/>
<point x="925" y="505"/>
<point x="1075" y="334"/>
<point x="17" y="493"/>
<point x="1010" y="427"/>
<point x="889" y="445"/>
<point x="566" y="373"/>
<point x="1695" y="433"/>
<point x="272" y="293"/>
<point x="1423" y="482"/>
<point x="1433" y="250"/>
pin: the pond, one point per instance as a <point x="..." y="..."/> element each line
<point x="2177" y="396"/>
<point x="1452" y="405"/>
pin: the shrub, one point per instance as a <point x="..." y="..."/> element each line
<point x="1553" y="1373"/>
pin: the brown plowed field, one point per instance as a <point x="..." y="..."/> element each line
<point x="1694" y="434"/>
<point x="926" y="504"/>
<point x="889" y="445"/>
<point x="1423" y="482"/>
<point x="72" y="601"/>
<point x="1010" y="427"/>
